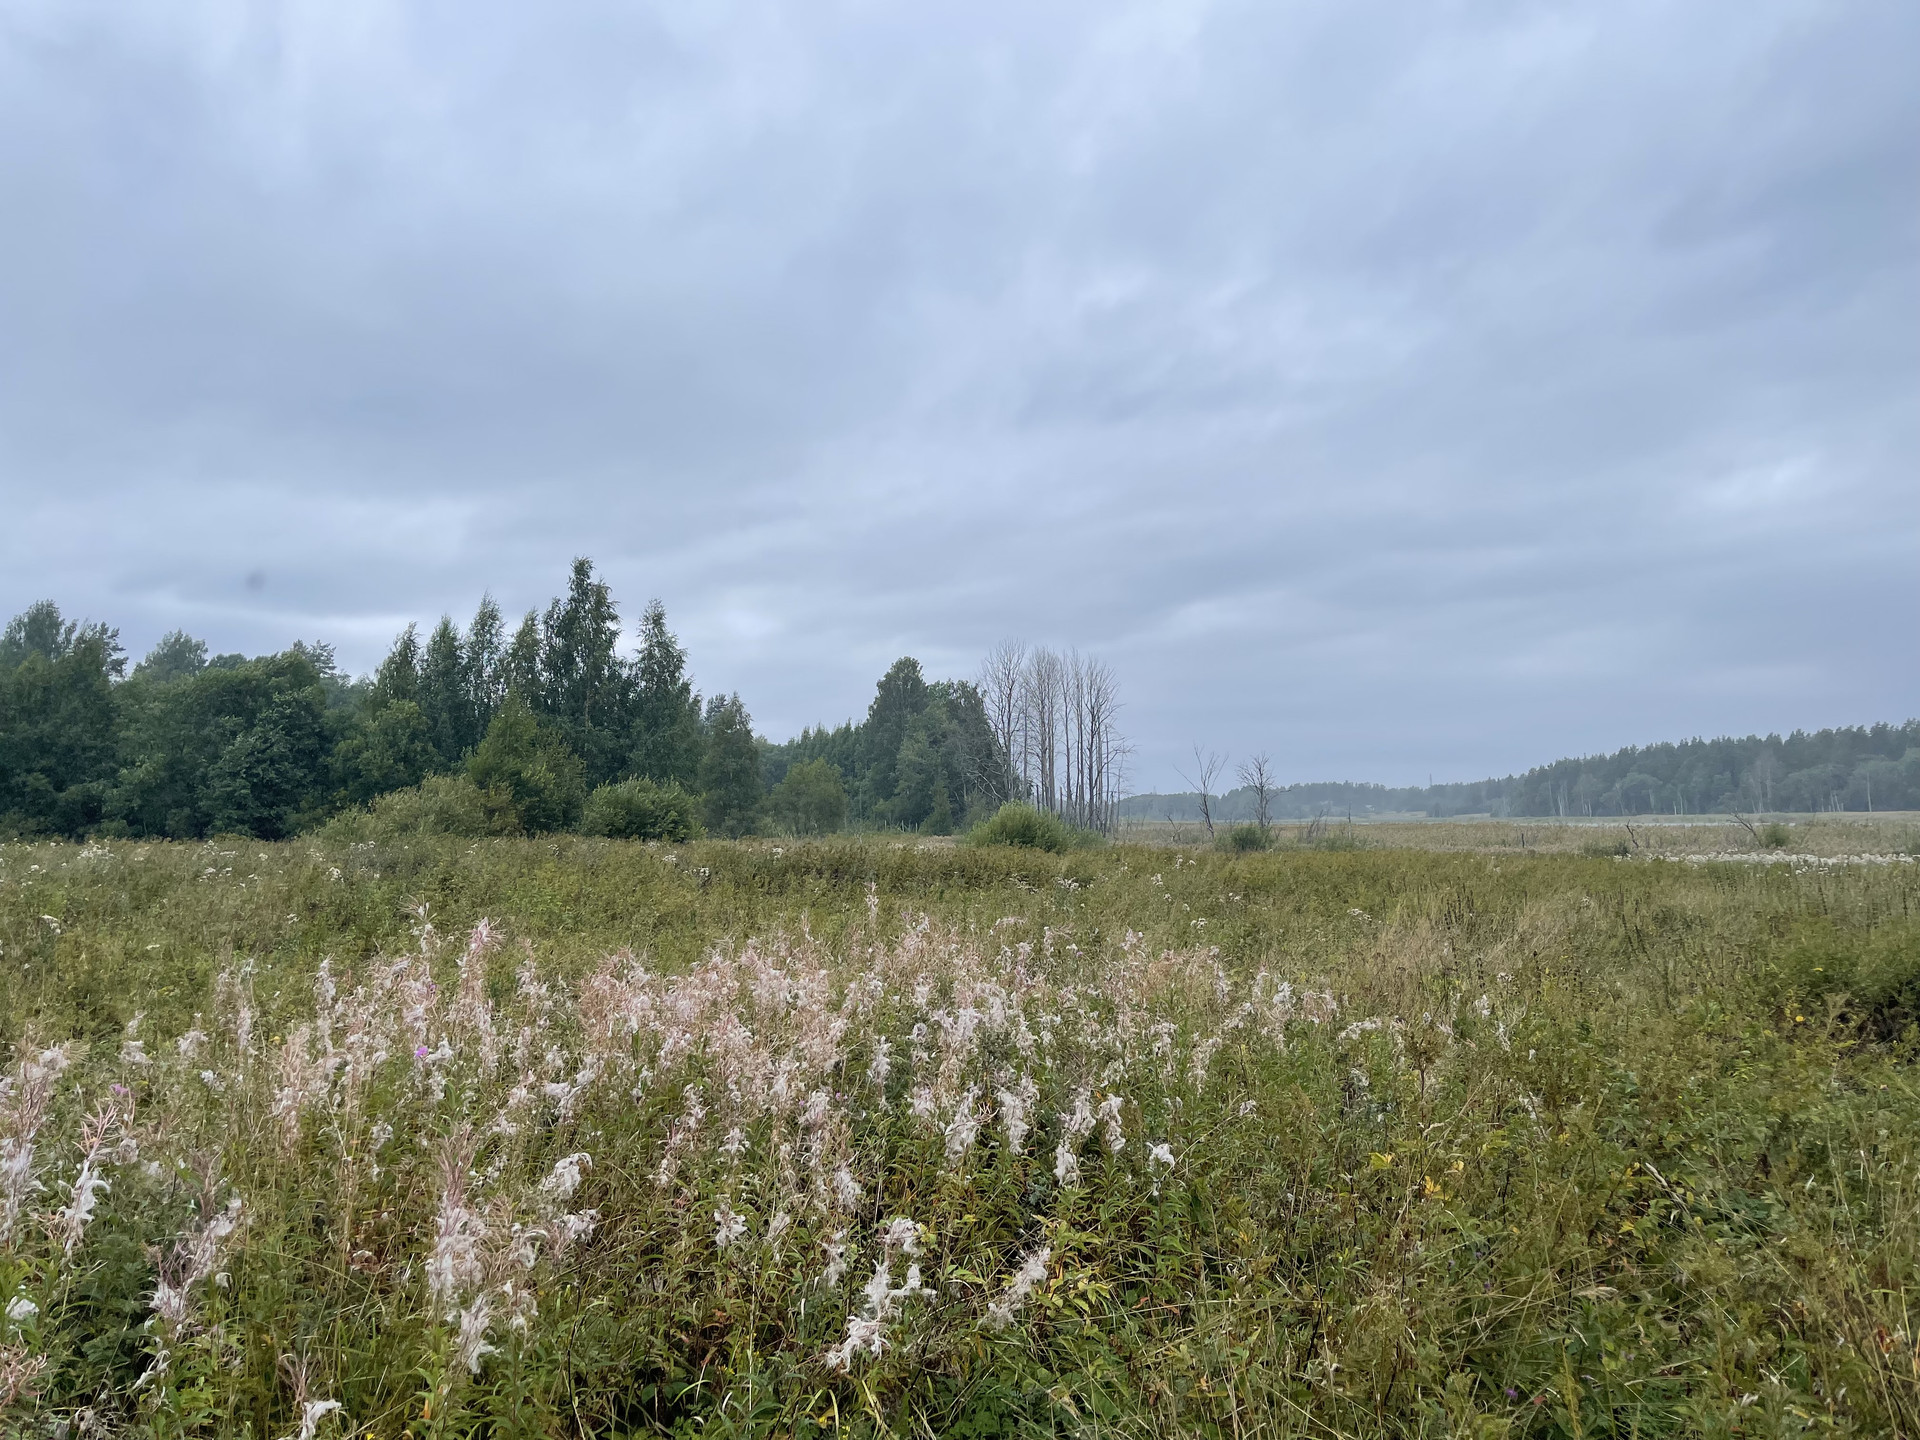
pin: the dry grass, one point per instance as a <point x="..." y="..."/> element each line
<point x="777" y="1139"/>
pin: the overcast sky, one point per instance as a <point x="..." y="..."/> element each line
<point x="1399" y="388"/>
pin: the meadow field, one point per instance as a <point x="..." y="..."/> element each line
<point x="1430" y="1131"/>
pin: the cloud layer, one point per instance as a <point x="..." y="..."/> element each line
<point x="1397" y="388"/>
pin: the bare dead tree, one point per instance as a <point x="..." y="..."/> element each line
<point x="1257" y="775"/>
<point x="1056" y="717"/>
<point x="1206" y="764"/>
<point x="1002" y="681"/>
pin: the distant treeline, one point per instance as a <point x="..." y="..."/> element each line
<point x="1852" y="768"/>
<point x="547" y="726"/>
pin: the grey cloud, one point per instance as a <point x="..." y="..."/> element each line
<point x="1396" y="388"/>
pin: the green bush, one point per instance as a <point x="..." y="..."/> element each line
<point x="1775" y="836"/>
<point x="528" y="760"/>
<point x="1023" y="825"/>
<point x="1601" y="848"/>
<point x="438" y="805"/>
<point x="641" y="810"/>
<point x="811" y="800"/>
<point x="1245" y="839"/>
<point x="1868" y="978"/>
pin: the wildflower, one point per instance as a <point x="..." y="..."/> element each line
<point x="1032" y="1271"/>
<point x="19" y="1374"/>
<point x="779" y="1225"/>
<point x="1160" y="1154"/>
<point x="727" y="1226"/>
<point x="963" y="1128"/>
<point x="1014" y="1105"/>
<point x="1074" y="1128"/>
<point x="1111" y="1133"/>
<point x="195" y="1257"/>
<point x="862" y="1335"/>
<point x="735" y="1145"/>
<point x="471" y="1345"/>
<point x="836" y="1249"/>
<point x="882" y="1064"/>
<point x="902" y="1235"/>
<point x="845" y="1188"/>
<point x="312" y="1412"/>
<point x="565" y="1178"/>
<point x="20" y="1310"/>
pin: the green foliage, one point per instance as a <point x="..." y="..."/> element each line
<point x="810" y="800"/>
<point x="667" y="736"/>
<point x="1244" y="839"/>
<point x="730" y="769"/>
<point x="528" y="761"/>
<point x="438" y="805"/>
<point x="1015" y="823"/>
<point x="235" y="749"/>
<point x="1775" y="836"/>
<point x="1821" y="973"/>
<point x="388" y="749"/>
<point x="57" y="724"/>
<point x="638" y="809"/>
<point x="1552" y="1147"/>
<point x="178" y="656"/>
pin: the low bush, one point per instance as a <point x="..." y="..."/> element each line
<point x="1245" y="839"/>
<point x="1869" y="980"/>
<point x="438" y="805"/>
<point x="641" y="810"/>
<point x="1023" y="825"/>
<point x="1775" y="836"/>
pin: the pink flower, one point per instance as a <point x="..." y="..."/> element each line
<point x="419" y="1052"/>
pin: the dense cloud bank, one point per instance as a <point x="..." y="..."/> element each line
<point x="1396" y="390"/>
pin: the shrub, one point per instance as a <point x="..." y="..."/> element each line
<point x="811" y="800"/>
<point x="529" y="761"/>
<point x="641" y="810"/>
<point x="1775" y="836"/>
<point x="1017" y="824"/>
<point x="438" y="805"/>
<point x="1245" y="838"/>
<point x="1600" y="848"/>
<point x="1870" y="979"/>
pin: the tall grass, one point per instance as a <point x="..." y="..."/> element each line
<point x="589" y="1137"/>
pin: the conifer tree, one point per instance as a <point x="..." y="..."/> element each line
<point x="444" y="702"/>
<point x="666" y="720"/>
<point x="485" y="651"/>
<point x="730" y="769"/>
<point x="398" y="677"/>
<point x="521" y="672"/>
<point x="584" y="685"/>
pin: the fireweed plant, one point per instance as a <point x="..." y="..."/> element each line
<point x="295" y="1143"/>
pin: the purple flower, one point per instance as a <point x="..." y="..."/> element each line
<point x="419" y="1052"/>
<point x="1512" y="1394"/>
<point x="120" y="1089"/>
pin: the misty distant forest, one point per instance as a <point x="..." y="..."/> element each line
<point x="549" y="726"/>
<point x="1860" y="767"/>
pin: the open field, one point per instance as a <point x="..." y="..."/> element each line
<point x="1823" y="834"/>
<point x="1468" y="1139"/>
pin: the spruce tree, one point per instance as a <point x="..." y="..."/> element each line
<point x="485" y="650"/>
<point x="443" y="695"/>
<point x="666" y="720"/>
<point x="730" y="770"/>
<point x="584" y="685"/>
<point x="398" y="677"/>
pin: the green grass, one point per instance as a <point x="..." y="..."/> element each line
<point x="1593" y="1145"/>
